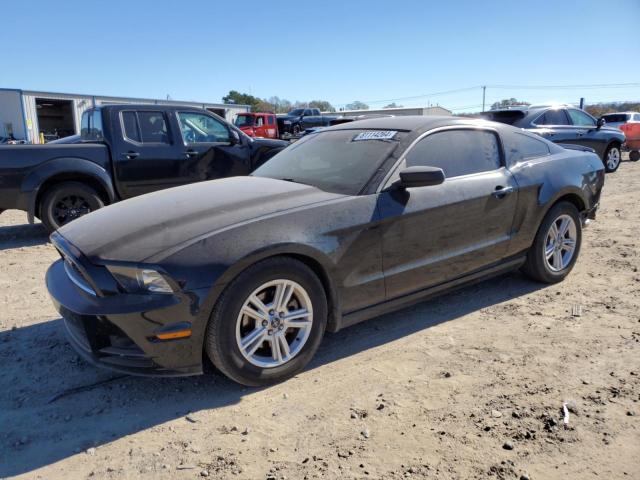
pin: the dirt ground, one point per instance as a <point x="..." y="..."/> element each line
<point x="470" y="385"/>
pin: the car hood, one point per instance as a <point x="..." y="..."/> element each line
<point x="135" y="230"/>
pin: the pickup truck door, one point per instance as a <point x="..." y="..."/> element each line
<point x="210" y="149"/>
<point x="146" y="156"/>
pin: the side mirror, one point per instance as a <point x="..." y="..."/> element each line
<point x="600" y="123"/>
<point x="412" y="177"/>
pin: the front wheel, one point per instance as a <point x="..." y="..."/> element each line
<point x="612" y="159"/>
<point x="268" y="323"/>
<point x="556" y="246"/>
<point x="67" y="201"/>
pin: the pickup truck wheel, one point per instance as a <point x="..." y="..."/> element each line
<point x="268" y="323"/>
<point x="556" y="246"/>
<point x="612" y="159"/>
<point x="296" y="130"/>
<point x="64" y="202"/>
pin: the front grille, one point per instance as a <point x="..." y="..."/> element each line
<point x="76" y="276"/>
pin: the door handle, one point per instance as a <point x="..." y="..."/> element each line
<point x="501" y="192"/>
<point x="191" y="153"/>
<point x="131" y="155"/>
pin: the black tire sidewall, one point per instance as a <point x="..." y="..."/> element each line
<point x="220" y="339"/>
<point x="537" y="265"/>
<point x="57" y="192"/>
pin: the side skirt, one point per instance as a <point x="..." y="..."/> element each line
<point x="412" y="298"/>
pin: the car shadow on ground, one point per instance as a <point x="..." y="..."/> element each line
<point x="15" y="236"/>
<point x="54" y="405"/>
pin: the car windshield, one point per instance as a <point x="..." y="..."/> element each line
<point x="615" y="118"/>
<point x="337" y="161"/>
<point x="244" y="121"/>
<point x="297" y="112"/>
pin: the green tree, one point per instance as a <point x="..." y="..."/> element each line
<point x="506" y="103"/>
<point x="323" y="105"/>
<point x="357" y="105"/>
<point x="393" y="105"/>
<point x="241" y="99"/>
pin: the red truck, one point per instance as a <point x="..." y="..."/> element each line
<point x="258" y="124"/>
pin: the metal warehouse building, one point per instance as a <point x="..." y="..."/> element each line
<point x="398" y="111"/>
<point x="42" y="116"/>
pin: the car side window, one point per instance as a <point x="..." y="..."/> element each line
<point x="581" y="119"/>
<point x="552" y="117"/>
<point x="457" y="152"/>
<point x="130" y="126"/>
<point x="199" y="127"/>
<point x="152" y="127"/>
<point x="521" y="147"/>
<point x="270" y="120"/>
<point x="637" y="117"/>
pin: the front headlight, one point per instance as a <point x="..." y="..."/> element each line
<point x="137" y="280"/>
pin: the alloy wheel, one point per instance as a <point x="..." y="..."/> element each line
<point x="274" y="323"/>
<point x="613" y="158"/>
<point x="560" y="243"/>
<point x="69" y="208"/>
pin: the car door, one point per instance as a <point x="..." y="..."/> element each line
<point x="588" y="134"/>
<point x="146" y="156"/>
<point x="210" y="148"/>
<point x="554" y="125"/>
<point x="431" y="235"/>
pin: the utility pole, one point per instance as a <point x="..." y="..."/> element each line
<point x="484" y="90"/>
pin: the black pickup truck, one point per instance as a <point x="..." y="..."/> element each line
<point x="298" y="120"/>
<point x="125" y="151"/>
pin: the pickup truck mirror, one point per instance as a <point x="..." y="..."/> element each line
<point x="412" y="177"/>
<point x="600" y="123"/>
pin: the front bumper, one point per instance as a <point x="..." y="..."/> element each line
<point x="118" y="331"/>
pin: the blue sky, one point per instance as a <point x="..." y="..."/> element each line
<point x="334" y="50"/>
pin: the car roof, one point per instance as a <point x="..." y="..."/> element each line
<point x="411" y="123"/>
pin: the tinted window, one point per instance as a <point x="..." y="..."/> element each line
<point x="91" y="126"/>
<point x="637" y="117"/>
<point x="130" y="126"/>
<point x="552" y="117"/>
<point x="152" y="127"/>
<point x="270" y="120"/>
<point x="308" y="112"/>
<point x="615" y="118"/>
<point x="339" y="161"/>
<point x="199" y="127"/>
<point x="457" y="152"/>
<point x="521" y="147"/>
<point x="244" y="120"/>
<point x="581" y="119"/>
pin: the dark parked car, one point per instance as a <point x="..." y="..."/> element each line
<point x="346" y="224"/>
<point x="125" y="151"/>
<point x="566" y="124"/>
<point x="299" y="119"/>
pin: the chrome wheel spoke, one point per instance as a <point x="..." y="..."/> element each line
<point x="564" y="226"/>
<point x="569" y="245"/>
<point x="557" y="260"/>
<point x="284" y="346"/>
<point x="297" y="319"/>
<point x="254" y="340"/>
<point x="276" y="352"/>
<point x="561" y="242"/>
<point x="551" y="247"/>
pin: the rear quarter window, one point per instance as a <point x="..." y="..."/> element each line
<point x="520" y="147"/>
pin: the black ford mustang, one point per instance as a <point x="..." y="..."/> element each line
<point x="346" y="224"/>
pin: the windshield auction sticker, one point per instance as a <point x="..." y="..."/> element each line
<point x="375" y="135"/>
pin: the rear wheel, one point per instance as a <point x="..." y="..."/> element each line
<point x="634" y="155"/>
<point x="612" y="158"/>
<point x="268" y="323"/>
<point x="64" y="202"/>
<point x="556" y="246"/>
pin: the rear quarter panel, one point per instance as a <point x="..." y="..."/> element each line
<point x="545" y="180"/>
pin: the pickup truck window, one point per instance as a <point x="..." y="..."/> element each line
<point x="91" y="128"/>
<point x="153" y="127"/>
<point x="297" y="112"/>
<point x="130" y="126"/>
<point x="199" y="127"/>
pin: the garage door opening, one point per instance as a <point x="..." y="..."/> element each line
<point x="218" y="111"/>
<point x="55" y="118"/>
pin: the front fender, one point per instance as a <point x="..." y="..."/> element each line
<point x="66" y="168"/>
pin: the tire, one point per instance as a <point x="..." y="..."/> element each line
<point x="612" y="158"/>
<point x="296" y="130"/>
<point x="634" y="155"/>
<point x="77" y="198"/>
<point x="228" y="328"/>
<point x="538" y="266"/>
